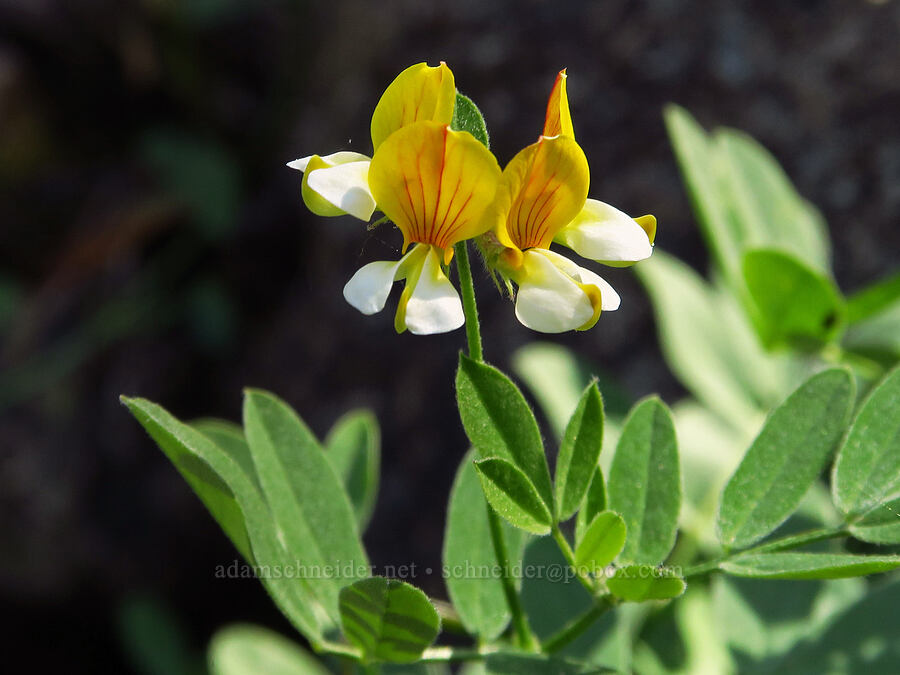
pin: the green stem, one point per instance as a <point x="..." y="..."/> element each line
<point x="524" y="636"/>
<point x="785" y="544"/>
<point x="470" y="309"/>
<point x="569" y="555"/>
<point x="573" y="630"/>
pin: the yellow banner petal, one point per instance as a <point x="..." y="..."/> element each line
<point x="558" y="121"/>
<point x="419" y="93"/>
<point x="434" y="184"/>
<point x="542" y="189"/>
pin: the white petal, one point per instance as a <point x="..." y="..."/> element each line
<point x="370" y="287"/>
<point x="609" y="299"/>
<point x="605" y="234"/>
<point x="335" y="158"/>
<point x="434" y="305"/>
<point x="347" y="187"/>
<point x="548" y="300"/>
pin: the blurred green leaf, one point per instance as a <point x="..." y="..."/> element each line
<point x="742" y="198"/>
<point x="556" y="380"/>
<point x="512" y="495"/>
<point x="469" y="552"/>
<point x="243" y="649"/>
<point x="594" y="503"/>
<point x="154" y="639"/>
<point x="637" y="583"/>
<point x="388" y="619"/>
<point x="536" y="664"/>
<point x="201" y="174"/>
<point x="601" y="542"/>
<point x="212" y="316"/>
<point x="791" y="303"/>
<point x="309" y="505"/>
<point x="786" y="458"/>
<point x="578" y="453"/>
<point x="645" y="483"/>
<point x="862" y="639"/>
<point x="708" y="343"/>
<point x="766" y="205"/>
<point x="203" y="462"/>
<point x="467" y="117"/>
<point x="794" y="565"/>
<point x="354" y="449"/>
<point x="867" y="468"/>
<point x="699" y="167"/>
<point x="877" y="336"/>
<point x="881" y="525"/>
<point x="873" y="299"/>
<point x="499" y="422"/>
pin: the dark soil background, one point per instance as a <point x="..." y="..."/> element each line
<point x="153" y="243"/>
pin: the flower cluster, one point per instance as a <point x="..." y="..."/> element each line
<point x="440" y="187"/>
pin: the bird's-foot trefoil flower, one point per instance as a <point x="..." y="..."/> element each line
<point x="338" y="184"/>
<point x="542" y="198"/>
<point x="434" y="184"/>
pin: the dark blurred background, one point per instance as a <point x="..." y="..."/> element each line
<point x="153" y="243"/>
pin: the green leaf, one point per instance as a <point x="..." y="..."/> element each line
<point x="512" y="495"/>
<point x="499" y="422"/>
<point x="791" y="303"/>
<point x="867" y="469"/>
<point x="388" y="619"/>
<point x="873" y="299"/>
<point x="709" y="344"/>
<point x="578" y="453"/>
<point x="645" y="483"/>
<point x="765" y="205"/>
<point x="594" y="503"/>
<point x="786" y="458"/>
<point x="354" y="448"/>
<point x="478" y="597"/>
<point x="793" y="565"/>
<point x="536" y="664"/>
<point x="243" y="649"/>
<point x="602" y="541"/>
<point x="881" y="525"/>
<point x="554" y="377"/>
<point x="637" y="583"/>
<point x="698" y="163"/>
<point x="205" y="464"/>
<point x="467" y="117"/>
<point x="230" y="437"/>
<point x="308" y="502"/>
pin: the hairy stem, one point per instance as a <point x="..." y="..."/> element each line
<point x="524" y="636"/>
<point x="470" y="309"/>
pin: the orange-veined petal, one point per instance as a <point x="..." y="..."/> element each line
<point x="434" y="184"/>
<point x="558" y="121"/>
<point x="542" y="189"/>
<point x="419" y="93"/>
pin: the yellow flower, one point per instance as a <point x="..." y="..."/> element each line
<point x="337" y="184"/>
<point x="542" y="198"/>
<point x="434" y="184"/>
